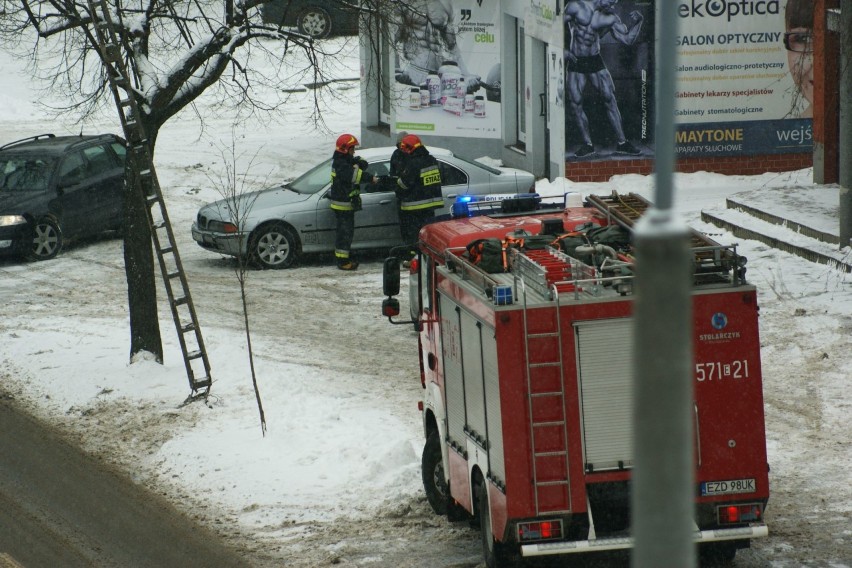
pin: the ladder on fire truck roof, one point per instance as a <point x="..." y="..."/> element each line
<point x="709" y="256"/>
<point x="171" y="268"/>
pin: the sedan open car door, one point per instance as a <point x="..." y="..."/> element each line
<point x="378" y="222"/>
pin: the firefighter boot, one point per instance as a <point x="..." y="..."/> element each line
<point x="347" y="264"/>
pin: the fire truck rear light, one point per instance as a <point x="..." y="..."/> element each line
<point x="541" y="530"/>
<point x="413" y="266"/>
<point x="732" y="514"/>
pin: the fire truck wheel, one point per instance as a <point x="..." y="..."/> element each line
<point x="273" y="245"/>
<point x="494" y="552"/>
<point x="432" y="467"/>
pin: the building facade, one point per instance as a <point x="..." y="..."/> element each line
<point x="566" y="89"/>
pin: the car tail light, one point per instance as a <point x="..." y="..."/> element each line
<point x="539" y="530"/>
<point x="413" y="266"/>
<point x="734" y="514"/>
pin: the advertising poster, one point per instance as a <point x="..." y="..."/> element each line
<point x="744" y="80"/>
<point x="447" y="80"/>
<point x="608" y="60"/>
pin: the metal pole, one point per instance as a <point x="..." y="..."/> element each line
<point x="845" y="142"/>
<point x="662" y="489"/>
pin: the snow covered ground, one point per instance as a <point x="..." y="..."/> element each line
<point x="336" y="479"/>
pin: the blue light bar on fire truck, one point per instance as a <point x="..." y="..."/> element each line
<point x="473" y="205"/>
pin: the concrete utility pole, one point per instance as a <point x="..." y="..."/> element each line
<point x="842" y="22"/>
<point x="662" y="489"/>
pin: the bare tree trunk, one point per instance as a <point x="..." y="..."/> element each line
<point x="139" y="269"/>
<point x="241" y="276"/>
<point x="236" y="190"/>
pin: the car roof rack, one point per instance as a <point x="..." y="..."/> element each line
<point x="30" y="139"/>
<point x="91" y="137"/>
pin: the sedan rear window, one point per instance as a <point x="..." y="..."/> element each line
<point x="451" y="175"/>
<point x="485" y="167"/>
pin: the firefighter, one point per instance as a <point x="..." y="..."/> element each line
<point x="418" y="188"/>
<point x="346" y="172"/>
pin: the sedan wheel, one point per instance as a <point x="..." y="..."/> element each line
<point x="315" y="22"/>
<point x="274" y="246"/>
<point x="47" y="240"/>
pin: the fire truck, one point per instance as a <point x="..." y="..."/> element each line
<point x="528" y="381"/>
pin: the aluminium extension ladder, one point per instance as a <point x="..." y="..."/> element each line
<point x="546" y="383"/>
<point x="171" y="268"/>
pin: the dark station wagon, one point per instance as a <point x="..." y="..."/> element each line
<point x="57" y="189"/>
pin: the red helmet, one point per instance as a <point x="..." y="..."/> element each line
<point x="410" y="143"/>
<point x="345" y="142"/>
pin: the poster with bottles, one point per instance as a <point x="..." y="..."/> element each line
<point x="447" y="74"/>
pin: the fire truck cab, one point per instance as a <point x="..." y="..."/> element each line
<point x="528" y="381"/>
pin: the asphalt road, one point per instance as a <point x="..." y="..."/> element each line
<point x="61" y="507"/>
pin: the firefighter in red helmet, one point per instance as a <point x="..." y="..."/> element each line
<point x="418" y="188"/>
<point x="346" y="172"/>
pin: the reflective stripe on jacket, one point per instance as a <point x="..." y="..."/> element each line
<point x="420" y="182"/>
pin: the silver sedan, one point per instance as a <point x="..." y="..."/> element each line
<point x="273" y="227"/>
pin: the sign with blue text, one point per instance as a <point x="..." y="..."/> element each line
<point x="744" y="78"/>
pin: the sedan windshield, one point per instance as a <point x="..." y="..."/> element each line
<point x="314" y="180"/>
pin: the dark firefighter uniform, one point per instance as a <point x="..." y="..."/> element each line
<point x="419" y="189"/>
<point x="345" y="195"/>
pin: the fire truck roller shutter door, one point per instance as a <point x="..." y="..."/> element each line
<point x="472" y="369"/>
<point x="470" y="382"/>
<point x="605" y="350"/>
<point x="496" y="455"/>
<point x="451" y="339"/>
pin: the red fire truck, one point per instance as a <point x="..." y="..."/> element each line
<point x="527" y="378"/>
